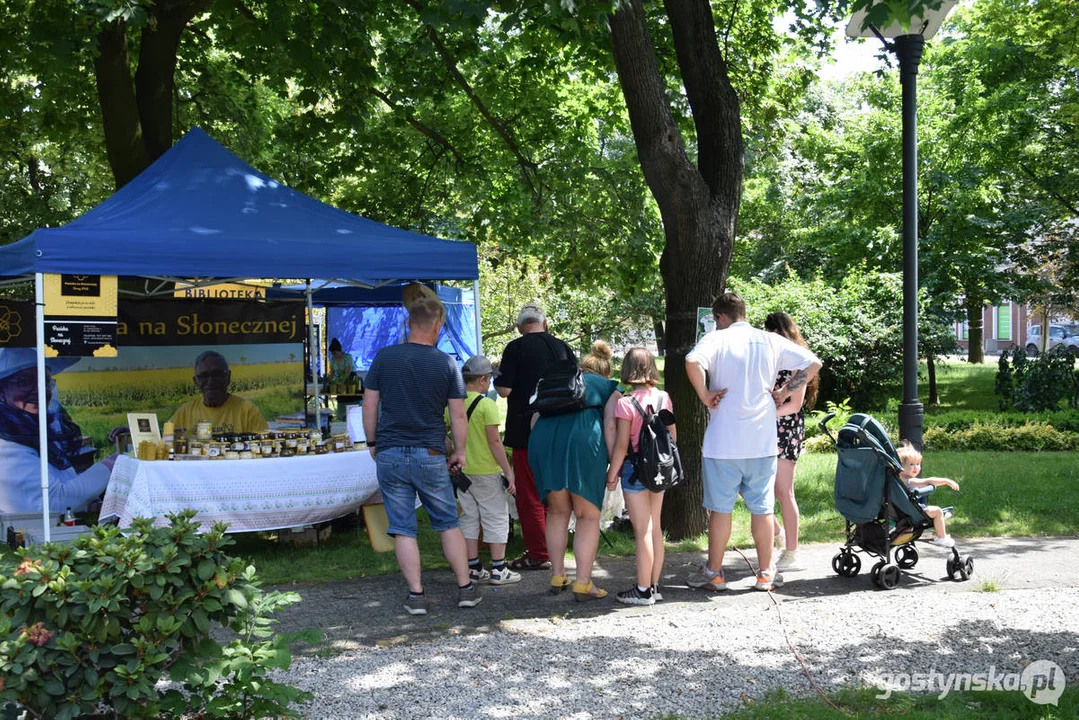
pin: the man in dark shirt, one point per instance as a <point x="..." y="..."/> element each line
<point x="523" y="361"/>
<point x="413" y="383"/>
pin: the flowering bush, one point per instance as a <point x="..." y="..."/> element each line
<point x="90" y="629"/>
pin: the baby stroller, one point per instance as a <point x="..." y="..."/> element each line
<point x="882" y="514"/>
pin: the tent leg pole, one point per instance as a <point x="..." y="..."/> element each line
<point x="43" y="403"/>
<point x="314" y="357"/>
<point x="476" y="310"/>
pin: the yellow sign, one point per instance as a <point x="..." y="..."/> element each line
<point x="80" y="315"/>
<point x="80" y="295"/>
<point x="220" y="291"/>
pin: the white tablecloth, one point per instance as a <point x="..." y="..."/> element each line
<point x="249" y="495"/>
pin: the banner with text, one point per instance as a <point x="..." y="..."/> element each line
<point x="209" y="322"/>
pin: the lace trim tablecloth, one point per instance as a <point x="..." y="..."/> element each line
<point x="249" y="495"/>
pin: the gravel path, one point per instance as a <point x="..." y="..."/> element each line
<point x="525" y="654"/>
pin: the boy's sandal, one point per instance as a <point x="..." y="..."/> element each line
<point x="527" y="562"/>
<point x="559" y="583"/>
<point x="587" y="591"/>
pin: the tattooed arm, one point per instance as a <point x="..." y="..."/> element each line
<point x="798" y="380"/>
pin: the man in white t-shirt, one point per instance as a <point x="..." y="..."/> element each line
<point x="739" y="452"/>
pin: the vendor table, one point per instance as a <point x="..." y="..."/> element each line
<point x="249" y="495"/>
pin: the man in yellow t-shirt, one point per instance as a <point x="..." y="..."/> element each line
<point x="224" y="410"/>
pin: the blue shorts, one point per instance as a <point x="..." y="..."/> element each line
<point x="753" y="478"/>
<point x="630" y="487"/>
<point x="407" y="472"/>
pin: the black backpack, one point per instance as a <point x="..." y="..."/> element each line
<point x="560" y="390"/>
<point x="656" y="464"/>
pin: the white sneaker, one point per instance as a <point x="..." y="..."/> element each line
<point x="479" y="576"/>
<point x="788" y="560"/>
<point x="779" y="540"/>
<point x="505" y="576"/>
<point x="945" y="541"/>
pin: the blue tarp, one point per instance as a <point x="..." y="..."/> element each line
<point x="200" y="211"/>
<point x="367" y="319"/>
<point x="365" y="328"/>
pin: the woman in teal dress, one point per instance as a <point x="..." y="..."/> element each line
<point x="569" y="455"/>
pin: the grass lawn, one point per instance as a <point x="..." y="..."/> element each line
<point x="961" y="386"/>
<point x="995" y="705"/>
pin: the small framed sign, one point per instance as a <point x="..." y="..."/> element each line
<point x="144" y="428"/>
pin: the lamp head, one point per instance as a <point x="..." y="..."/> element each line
<point x="872" y="19"/>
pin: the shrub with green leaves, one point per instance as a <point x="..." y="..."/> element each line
<point x="1029" y="437"/>
<point x="856" y="329"/>
<point x="1037" y="384"/>
<point x="969" y="430"/>
<point x="90" y="629"/>
<point x="1061" y="420"/>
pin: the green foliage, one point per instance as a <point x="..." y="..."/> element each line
<point x="1028" y="437"/>
<point x="855" y="329"/>
<point x="96" y="625"/>
<point x="1066" y="421"/>
<point x="842" y="411"/>
<point x="1037" y="384"/>
<point x="967" y="430"/>
<point x="577" y="314"/>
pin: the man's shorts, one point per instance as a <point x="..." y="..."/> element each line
<point x="407" y="472"/>
<point x="754" y="478"/>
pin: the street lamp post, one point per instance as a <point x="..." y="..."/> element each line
<point x="907" y="44"/>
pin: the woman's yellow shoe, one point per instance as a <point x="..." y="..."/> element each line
<point x="587" y="591"/>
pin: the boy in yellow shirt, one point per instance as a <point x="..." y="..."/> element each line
<point x="483" y="503"/>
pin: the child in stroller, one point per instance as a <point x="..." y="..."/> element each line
<point x="882" y="514"/>
<point x="912" y="465"/>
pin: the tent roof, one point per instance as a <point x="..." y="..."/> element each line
<point x="200" y="211"/>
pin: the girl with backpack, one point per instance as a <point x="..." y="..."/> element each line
<point x="639" y="372"/>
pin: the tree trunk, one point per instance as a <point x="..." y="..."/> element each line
<point x="661" y="337"/>
<point x="1043" y="338"/>
<point x="975" y="332"/>
<point x="119" y="111"/>
<point x="934" y="395"/>
<point x="137" y="115"/>
<point x="698" y="204"/>
<point x="159" y="44"/>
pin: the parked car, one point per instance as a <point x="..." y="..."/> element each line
<point x="1059" y="334"/>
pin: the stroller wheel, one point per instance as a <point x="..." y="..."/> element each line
<point x="888" y="577"/>
<point x="965" y="568"/>
<point x="906" y="556"/>
<point x="952" y="566"/>
<point x="846" y="564"/>
<point x="874" y="574"/>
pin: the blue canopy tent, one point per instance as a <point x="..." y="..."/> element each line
<point x="200" y="213"/>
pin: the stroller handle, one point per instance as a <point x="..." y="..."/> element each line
<point x="823" y="424"/>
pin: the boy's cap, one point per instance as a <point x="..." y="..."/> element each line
<point x="530" y="314"/>
<point x="477" y="366"/>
